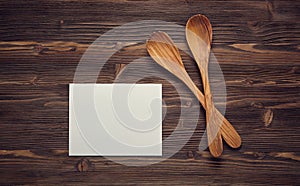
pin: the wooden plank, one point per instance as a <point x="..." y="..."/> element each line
<point x="256" y="43"/>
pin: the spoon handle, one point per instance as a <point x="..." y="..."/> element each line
<point x="228" y="132"/>
<point x="213" y="130"/>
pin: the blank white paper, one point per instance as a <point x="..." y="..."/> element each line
<point x="115" y="120"/>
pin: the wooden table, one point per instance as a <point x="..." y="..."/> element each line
<point x="257" y="45"/>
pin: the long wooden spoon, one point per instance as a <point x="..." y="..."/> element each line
<point x="199" y="38"/>
<point x="162" y="49"/>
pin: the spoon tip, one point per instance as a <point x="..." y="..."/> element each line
<point x="198" y="17"/>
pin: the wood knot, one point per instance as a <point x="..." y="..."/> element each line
<point x="119" y="46"/>
<point x="83" y="165"/>
<point x="248" y="82"/>
<point x="38" y="48"/>
<point x="34" y="80"/>
<point x="257" y="105"/>
<point x="190" y="155"/>
<point x="268" y="117"/>
<point x="295" y="70"/>
<point x="253" y="23"/>
<point x="73" y="49"/>
<point x="188" y="103"/>
<point x="187" y="2"/>
<point x="259" y="155"/>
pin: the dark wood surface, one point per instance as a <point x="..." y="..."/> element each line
<point x="257" y="44"/>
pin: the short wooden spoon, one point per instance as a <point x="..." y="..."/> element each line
<point x="199" y="38"/>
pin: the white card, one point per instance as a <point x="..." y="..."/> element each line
<point x="115" y="120"/>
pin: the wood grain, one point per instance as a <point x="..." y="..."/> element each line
<point x="257" y="44"/>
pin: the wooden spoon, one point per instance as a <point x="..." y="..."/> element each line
<point x="200" y="47"/>
<point x="162" y="49"/>
<point x="199" y="38"/>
